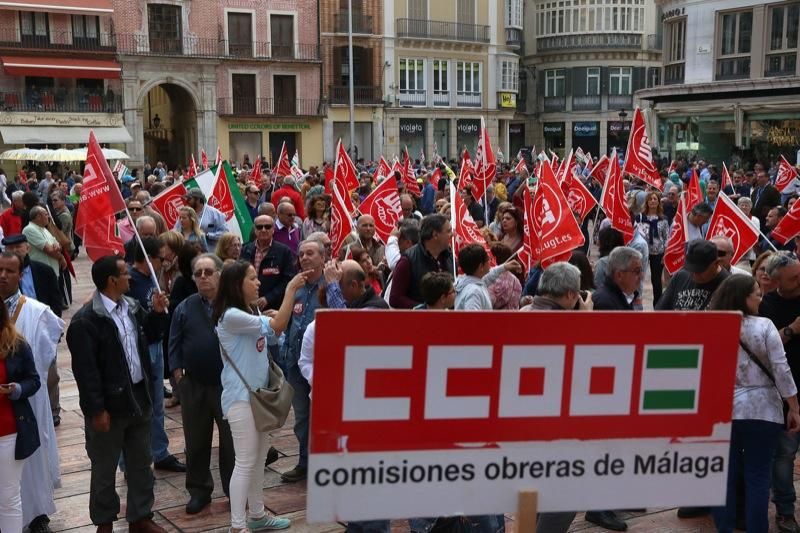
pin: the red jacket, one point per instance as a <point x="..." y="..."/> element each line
<point x="11" y="222"/>
<point x="294" y="196"/>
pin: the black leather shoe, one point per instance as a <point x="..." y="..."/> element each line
<point x="693" y="512"/>
<point x="196" y="505"/>
<point x="606" y="519"/>
<point x="272" y="456"/>
<point x="170" y="464"/>
<point x="297" y="473"/>
<point x="40" y="524"/>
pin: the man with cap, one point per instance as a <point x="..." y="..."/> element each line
<point x="690" y="289"/>
<point x="212" y="221"/>
<point x="289" y="190"/>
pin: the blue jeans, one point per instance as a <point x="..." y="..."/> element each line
<point x="301" y="403"/>
<point x="159" y="442"/>
<point x="752" y="450"/>
<point x="783" y="495"/>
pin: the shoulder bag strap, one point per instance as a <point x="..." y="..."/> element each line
<point x="758" y="362"/>
<point x="224" y="353"/>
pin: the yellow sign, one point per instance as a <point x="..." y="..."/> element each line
<point x="508" y="100"/>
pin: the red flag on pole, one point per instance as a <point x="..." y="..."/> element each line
<point x="786" y="175"/>
<point x="465" y="230"/>
<point x="383" y="170"/>
<point x="435" y="177"/>
<point x="409" y="179"/>
<point x="579" y="198"/>
<point x="282" y="167"/>
<point x="729" y="221"/>
<point x="344" y="170"/>
<point x="485" y="163"/>
<point x="341" y="223"/>
<point x="553" y="160"/>
<point x="255" y="173"/>
<point x="383" y="204"/>
<point x="638" y="156"/>
<point x="169" y="202"/>
<point x="694" y="194"/>
<point x="465" y="172"/>
<point x="726" y="178"/>
<point x="600" y="169"/>
<point x="530" y="241"/>
<point x="789" y="226"/>
<point x="613" y="201"/>
<point x="520" y="166"/>
<point x="203" y="159"/>
<point x="557" y="231"/>
<point x="675" y="251"/>
<point x="218" y="160"/>
<point x="328" y="172"/>
<point x="192" y="168"/>
<point x="100" y="200"/>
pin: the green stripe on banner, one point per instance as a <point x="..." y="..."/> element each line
<point x="669" y="399"/>
<point x="665" y="358"/>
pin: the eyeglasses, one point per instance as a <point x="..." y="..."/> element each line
<point x="263" y="226"/>
<point x="135" y="209"/>
<point x="723" y="253"/>
<point x="204" y="273"/>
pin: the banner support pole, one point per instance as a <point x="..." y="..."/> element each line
<point x="527" y="509"/>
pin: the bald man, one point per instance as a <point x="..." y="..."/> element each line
<point x="366" y="240"/>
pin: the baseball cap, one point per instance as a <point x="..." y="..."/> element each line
<point x="195" y="192"/>
<point x="700" y="254"/>
<point x="11" y="240"/>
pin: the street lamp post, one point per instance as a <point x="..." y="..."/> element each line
<point x="350" y="76"/>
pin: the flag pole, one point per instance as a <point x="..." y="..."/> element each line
<point x="453" y="227"/>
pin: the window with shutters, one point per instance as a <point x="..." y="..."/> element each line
<point x="781" y="59"/>
<point x="735" y="34"/>
<point x="412" y="81"/>
<point x="554" y="83"/>
<point x="513" y="13"/>
<point x="281" y="28"/>
<point x="593" y="81"/>
<point x="243" y="92"/>
<point x="85" y="28"/>
<point x="164" y="27"/>
<point x="675" y="51"/>
<point x="34" y="27"/>
<point x="441" y="83"/>
<point x="240" y="34"/>
<point x="418" y="9"/>
<point x="509" y="76"/>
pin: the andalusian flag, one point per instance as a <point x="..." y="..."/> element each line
<point x="219" y="185"/>
<point x="671" y="379"/>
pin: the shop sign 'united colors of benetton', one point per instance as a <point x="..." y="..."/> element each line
<point x="592" y="410"/>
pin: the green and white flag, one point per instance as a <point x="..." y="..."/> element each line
<point x="671" y="379"/>
<point x="219" y="185"/>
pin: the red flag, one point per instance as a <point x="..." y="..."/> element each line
<point x="786" y="175"/>
<point x="638" y="156"/>
<point x="341" y="223"/>
<point x="579" y="198"/>
<point x="255" y="173"/>
<point x="613" y="201"/>
<point x="485" y="164"/>
<point x="673" y="166"/>
<point x="553" y="160"/>
<point x="397" y="166"/>
<point x="169" y="202"/>
<point x="466" y="171"/>
<point x="203" y="159"/>
<point x="383" y="170"/>
<point x="383" y="204"/>
<point x="409" y="179"/>
<point x="675" y="251"/>
<point x="557" y="231"/>
<point x="435" y="177"/>
<point x="694" y="194"/>
<point x="328" y="172"/>
<point x="218" y="160"/>
<point x="789" y="226"/>
<point x="729" y="221"/>
<point x="192" y="168"/>
<point x="600" y="169"/>
<point x="221" y="198"/>
<point x="726" y="178"/>
<point x="520" y="166"/>
<point x="344" y="170"/>
<point x="282" y="167"/>
<point x="465" y="230"/>
<point x="100" y="200"/>
<point x="530" y="241"/>
<point x="338" y="185"/>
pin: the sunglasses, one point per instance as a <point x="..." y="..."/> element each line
<point x="263" y="226"/>
<point x="136" y="209"/>
<point x="204" y="273"/>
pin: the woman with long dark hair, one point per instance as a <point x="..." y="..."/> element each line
<point x="763" y="382"/>
<point x="19" y="434"/>
<point x="243" y="336"/>
<point x="653" y="226"/>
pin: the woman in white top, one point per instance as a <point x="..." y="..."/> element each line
<point x="763" y="382"/>
<point x="243" y="336"/>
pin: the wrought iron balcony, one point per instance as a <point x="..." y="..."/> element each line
<point x="416" y="97"/>
<point x="438" y="29"/>
<point x="362" y="24"/>
<point x="64" y="40"/>
<point x="586" y="103"/>
<point x="61" y="101"/>
<point x="469" y="99"/>
<point x="258" y="107"/>
<point x="340" y="94"/>
<point x="673" y="74"/>
<point x="441" y="98"/>
<point x="555" y="103"/>
<point x="620" y="101"/>
<point x="514" y="37"/>
<point x="630" y="41"/>
<point x="134" y="44"/>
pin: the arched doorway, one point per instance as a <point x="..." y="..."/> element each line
<point x="170" y="125"/>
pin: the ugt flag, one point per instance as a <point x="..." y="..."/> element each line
<point x="729" y="221"/>
<point x="219" y="185"/>
<point x="169" y="202"/>
<point x="383" y="204"/>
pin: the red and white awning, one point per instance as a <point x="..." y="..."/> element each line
<point x="77" y="7"/>
<point x="61" y="67"/>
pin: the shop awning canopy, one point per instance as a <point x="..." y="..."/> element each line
<point x="77" y="7"/>
<point x="62" y="134"/>
<point x="60" y="67"/>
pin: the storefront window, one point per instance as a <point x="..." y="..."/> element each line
<point x="553" y="133"/>
<point x="467" y="133"/>
<point x="516" y="138"/>
<point x="618" y="133"/>
<point x="771" y="137"/>
<point x="243" y="143"/>
<point x="412" y="136"/>
<point x="712" y="137"/>
<point x="586" y="135"/>
<point x="441" y="136"/>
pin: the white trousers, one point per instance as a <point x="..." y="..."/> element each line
<point x="10" y="476"/>
<point x="247" y="480"/>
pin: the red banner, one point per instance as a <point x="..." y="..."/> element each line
<point x="729" y="221"/>
<point x="638" y="156"/>
<point x="600" y="169"/>
<point x="530" y="241"/>
<point x="409" y="178"/>
<point x="725" y="178"/>
<point x="694" y="194"/>
<point x="192" y="172"/>
<point x="383" y="204"/>
<point x="341" y="223"/>
<point x="383" y="171"/>
<point x="169" y="202"/>
<point x="789" y="226"/>
<point x="282" y="167"/>
<point x="554" y="224"/>
<point x="485" y="164"/>
<point x="613" y="201"/>
<point x="675" y="252"/>
<point x="786" y="175"/>
<point x="203" y="159"/>
<point x="465" y="230"/>
<point x="255" y="172"/>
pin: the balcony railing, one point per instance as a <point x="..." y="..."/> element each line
<point x="64" y="40"/>
<point x="60" y="101"/>
<point x="673" y="74"/>
<point x="736" y="68"/>
<point x="256" y="107"/>
<point x="555" y="103"/>
<point x="590" y="40"/>
<point x="514" y="37"/>
<point x="620" y="101"/>
<point x="361" y="23"/>
<point x="414" y="97"/>
<point x="340" y="94"/>
<point x="468" y="99"/>
<point x="441" y="98"/>
<point x="655" y="42"/>
<point x="437" y="29"/>
<point x="134" y="44"/>
<point x="586" y="103"/>
<point x="781" y="65"/>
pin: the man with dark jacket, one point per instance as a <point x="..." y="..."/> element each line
<point x="624" y="273"/>
<point x="273" y="261"/>
<point x="108" y="340"/>
<point x="764" y="196"/>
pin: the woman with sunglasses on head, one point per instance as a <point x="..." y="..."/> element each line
<point x="243" y="335"/>
<point x="190" y="227"/>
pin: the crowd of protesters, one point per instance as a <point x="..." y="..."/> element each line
<point x="221" y="304"/>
